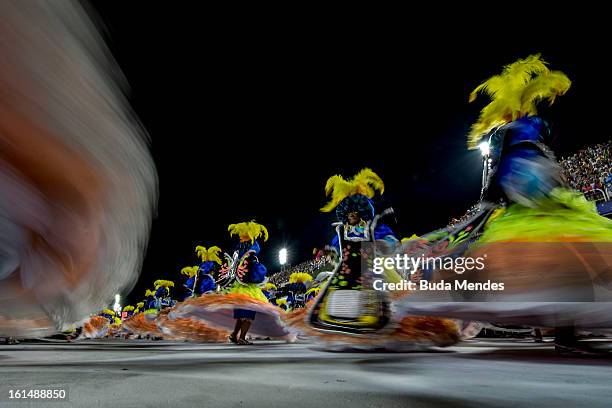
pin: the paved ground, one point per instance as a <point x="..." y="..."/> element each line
<point x="480" y="374"/>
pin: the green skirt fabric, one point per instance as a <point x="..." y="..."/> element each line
<point x="565" y="216"/>
<point x="250" y="289"/>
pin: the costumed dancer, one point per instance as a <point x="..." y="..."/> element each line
<point x="149" y="301"/>
<point x="348" y="311"/>
<point x="162" y="294"/>
<point x="269" y="290"/>
<point x="251" y="272"/>
<point x="242" y="306"/>
<point x="77" y="182"/>
<point x="139" y="307"/>
<point x="208" y="268"/>
<point x="545" y="242"/>
<point x="200" y="281"/>
<point x="299" y="283"/>
<point x="99" y="326"/>
<point x="357" y="230"/>
<point x="129" y="311"/>
<point x="192" y="276"/>
<point x="282" y="303"/>
<point x="156" y="300"/>
<point x="142" y="322"/>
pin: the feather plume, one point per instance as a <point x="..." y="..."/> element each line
<point x="210" y="254"/>
<point x="300" y="277"/>
<point x="163" y="283"/>
<point x="514" y="94"/>
<point x="190" y="271"/>
<point x="270" y="286"/>
<point x="248" y="231"/>
<point x="366" y="182"/>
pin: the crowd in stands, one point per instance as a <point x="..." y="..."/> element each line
<point x="311" y="266"/>
<point x="469" y="213"/>
<point x="590" y="168"/>
<point x="586" y="171"/>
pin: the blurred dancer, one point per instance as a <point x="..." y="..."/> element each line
<point x="208" y="268"/>
<point x="77" y="183"/>
<point x="545" y="242"/>
<point x="250" y="273"/>
<point x="242" y="306"/>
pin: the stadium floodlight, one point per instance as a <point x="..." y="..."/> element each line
<point x="282" y="256"/>
<point x="485" y="148"/>
<point x="117" y="305"/>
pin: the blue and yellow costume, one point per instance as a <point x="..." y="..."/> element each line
<point x="161" y="295"/>
<point x="129" y="311"/>
<point x="526" y="209"/>
<point x="360" y="235"/>
<point x="190" y="284"/>
<point x="268" y="290"/>
<point x="207" y="269"/>
<point x="149" y="301"/>
<point x="200" y="278"/>
<point x="109" y="315"/>
<point x="523" y="172"/>
<point x="354" y="196"/>
<point x="252" y="272"/>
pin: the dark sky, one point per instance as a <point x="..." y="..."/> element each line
<point x="249" y="120"/>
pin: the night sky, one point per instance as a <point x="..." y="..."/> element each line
<point x="249" y="120"/>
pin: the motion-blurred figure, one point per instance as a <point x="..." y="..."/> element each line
<point x="77" y="183"/>
<point x="545" y="242"/>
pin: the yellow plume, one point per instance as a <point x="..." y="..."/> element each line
<point x="165" y="283"/>
<point x="248" y="231"/>
<point x="269" y="286"/>
<point x="210" y="254"/>
<point x="365" y="182"/>
<point x="140" y="305"/>
<point x="281" y="301"/>
<point x="514" y="94"/>
<point x="150" y="292"/>
<point x="300" y="277"/>
<point x="190" y="271"/>
<point x="108" y="312"/>
<point x="128" y="308"/>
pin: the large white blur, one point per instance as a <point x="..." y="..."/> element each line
<point x="78" y="186"/>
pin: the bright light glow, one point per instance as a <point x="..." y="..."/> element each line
<point x="117" y="305"/>
<point x="282" y="256"/>
<point x="485" y="149"/>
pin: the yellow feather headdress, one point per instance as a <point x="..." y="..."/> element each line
<point x="300" y="277"/>
<point x="165" y="283"/>
<point x="366" y="182"/>
<point x="514" y="94"/>
<point x="108" y="312"/>
<point x="190" y="271"/>
<point x="140" y="305"/>
<point x="281" y="301"/>
<point x="210" y="254"/>
<point x="270" y="286"/>
<point x="248" y="231"/>
<point x="128" y="308"/>
<point x="149" y="292"/>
